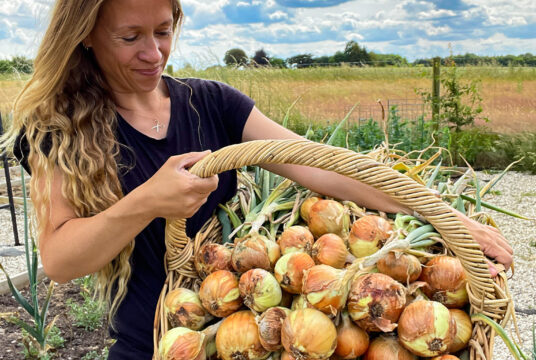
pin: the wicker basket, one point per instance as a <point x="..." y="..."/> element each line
<point x="488" y="296"/>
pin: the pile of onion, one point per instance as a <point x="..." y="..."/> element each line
<point x="404" y="268"/>
<point x="183" y="308"/>
<point x="296" y="238"/>
<point x="219" y="293"/>
<point x="255" y="251"/>
<point x="387" y="347"/>
<point x="212" y="257"/>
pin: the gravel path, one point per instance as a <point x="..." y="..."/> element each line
<point x="516" y="192"/>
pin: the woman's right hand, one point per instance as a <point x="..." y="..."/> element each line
<point x="174" y="192"/>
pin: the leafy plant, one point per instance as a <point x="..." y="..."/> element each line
<point x="94" y="355"/>
<point x="89" y="314"/>
<point x="36" y="341"/>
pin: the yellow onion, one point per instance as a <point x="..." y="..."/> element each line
<point x="308" y="334"/>
<point x="255" y="251"/>
<point x="324" y="289"/>
<point x="375" y="302"/>
<point x="426" y="328"/>
<point x="387" y="347"/>
<point x="219" y="293"/>
<point x="446" y="281"/>
<point x="289" y="271"/>
<point x="306" y="207"/>
<point x="181" y="343"/>
<point x="368" y="234"/>
<point x="328" y="216"/>
<point x="286" y="356"/>
<point x="446" y="357"/>
<point x="259" y="289"/>
<point x="212" y="257"/>
<point x="330" y="249"/>
<point x="238" y="338"/>
<point x="464" y="330"/>
<point x="296" y="238"/>
<point x="402" y="267"/>
<point x="352" y="341"/>
<point x="183" y="308"/>
<point x="270" y="323"/>
<point x="300" y="302"/>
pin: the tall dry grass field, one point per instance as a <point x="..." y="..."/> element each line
<point x="327" y="94"/>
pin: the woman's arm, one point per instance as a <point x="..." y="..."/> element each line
<point x="258" y="126"/>
<point x="71" y="247"/>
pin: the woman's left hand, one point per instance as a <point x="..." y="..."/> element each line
<point x="491" y="241"/>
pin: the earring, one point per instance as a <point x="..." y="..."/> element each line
<point x="85" y="46"/>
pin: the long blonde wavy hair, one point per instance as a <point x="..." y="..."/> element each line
<point x="67" y="103"/>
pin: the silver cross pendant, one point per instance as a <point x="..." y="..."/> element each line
<point x="157" y="126"/>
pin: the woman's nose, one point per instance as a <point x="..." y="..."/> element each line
<point x="151" y="51"/>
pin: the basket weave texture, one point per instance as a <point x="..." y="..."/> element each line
<point x="486" y="295"/>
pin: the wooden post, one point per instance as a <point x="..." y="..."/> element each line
<point x="435" y="91"/>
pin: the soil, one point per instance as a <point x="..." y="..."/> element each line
<point x="78" y="341"/>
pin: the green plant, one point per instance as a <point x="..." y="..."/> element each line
<point x="35" y="334"/>
<point x="94" y="355"/>
<point x="88" y="315"/>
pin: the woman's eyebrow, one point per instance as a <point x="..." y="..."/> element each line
<point x="133" y="27"/>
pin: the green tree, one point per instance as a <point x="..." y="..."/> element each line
<point x="301" y="60"/>
<point x="278" y="62"/>
<point x="22" y="64"/>
<point x="261" y="58"/>
<point x="355" y="53"/>
<point x="235" y="57"/>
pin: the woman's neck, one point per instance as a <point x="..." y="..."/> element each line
<point x="144" y="101"/>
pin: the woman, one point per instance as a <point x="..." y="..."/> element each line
<point x="108" y="140"/>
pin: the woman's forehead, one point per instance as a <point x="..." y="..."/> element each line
<point x="135" y="13"/>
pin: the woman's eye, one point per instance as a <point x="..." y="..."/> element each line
<point x="130" y="39"/>
<point x="164" y="33"/>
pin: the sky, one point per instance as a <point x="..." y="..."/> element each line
<point x="284" y="28"/>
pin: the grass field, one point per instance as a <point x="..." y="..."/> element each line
<point x="327" y="94"/>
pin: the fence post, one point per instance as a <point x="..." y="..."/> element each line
<point x="11" y="204"/>
<point x="435" y="91"/>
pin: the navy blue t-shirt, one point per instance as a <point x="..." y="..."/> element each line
<point x="217" y="121"/>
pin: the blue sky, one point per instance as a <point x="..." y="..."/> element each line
<point x="412" y="28"/>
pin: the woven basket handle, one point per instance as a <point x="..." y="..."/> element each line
<point x="353" y="165"/>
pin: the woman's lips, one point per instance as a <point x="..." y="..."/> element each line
<point x="148" y="72"/>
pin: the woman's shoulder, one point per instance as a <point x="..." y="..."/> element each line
<point x="198" y="86"/>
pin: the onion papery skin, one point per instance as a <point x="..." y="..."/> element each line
<point x="296" y="238"/>
<point x="368" y="234"/>
<point x="289" y="271"/>
<point x="404" y="268"/>
<point x="352" y="341"/>
<point x="306" y="207"/>
<point x="286" y="356"/>
<point x="183" y="308"/>
<point x="181" y="343"/>
<point x="238" y="338"/>
<point x="300" y="302"/>
<point x="259" y="290"/>
<point x="387" y="348"/>
<point x="330" y="249"/>
<point x="464" y="330"/>
<point x="212" y="257"/>
<point x="446" y="357"/>
<point x="255" y="251"/>
<point x="308" y="334"/>
<point x="375" y="302"/>
<point x="323" y="288"/>
<point x="270" y="323"/>
<point x="426" y="328"/>
<point x="328" y="216"/>
<point x="219" y="293"/>
<point x="446" y="281"/>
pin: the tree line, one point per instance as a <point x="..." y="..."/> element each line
<point x="18" y="64"/>
<point x="356" y="55"/>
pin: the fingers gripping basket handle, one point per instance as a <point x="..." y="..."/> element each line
<point x="481" y="288"/>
